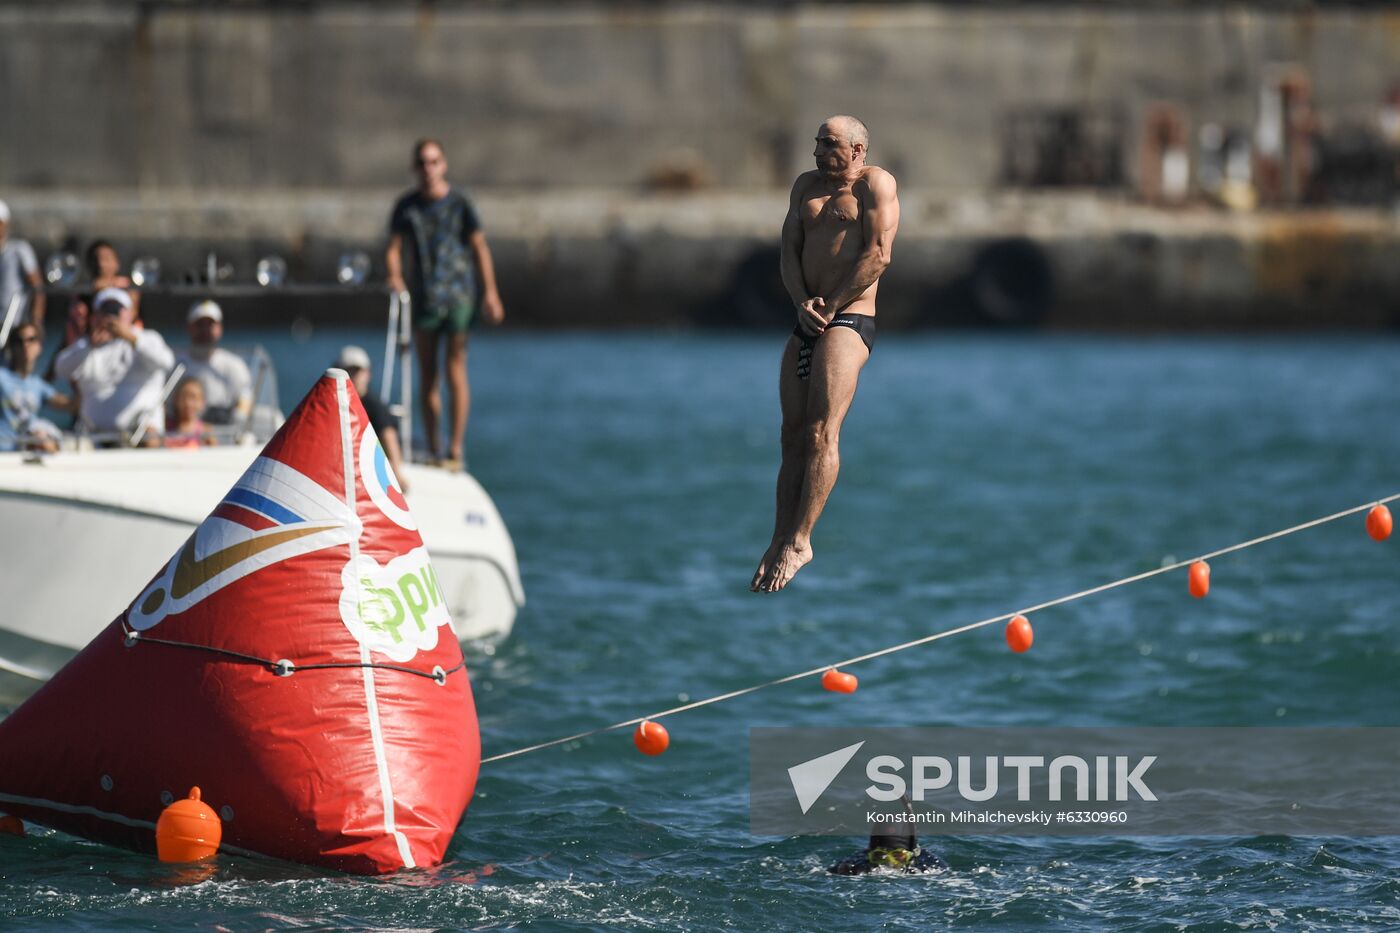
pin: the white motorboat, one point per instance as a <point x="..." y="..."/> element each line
<point x="83" y="530"/>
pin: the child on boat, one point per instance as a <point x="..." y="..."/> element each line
<point x="188" y="429"/>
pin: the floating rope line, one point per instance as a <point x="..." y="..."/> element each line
<point x="282" y="667"/>
<point x="944" y="634"/>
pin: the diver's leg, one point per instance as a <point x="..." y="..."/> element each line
<point x="836" y="365"/>
<point x="792" y="395"/>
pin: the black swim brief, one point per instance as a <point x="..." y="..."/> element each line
<point x="863" y="324"/>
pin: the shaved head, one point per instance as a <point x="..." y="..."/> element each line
<point x="851" y="127"/>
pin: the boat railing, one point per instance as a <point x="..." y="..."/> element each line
<point x="171" y="382"/>
<point x="265" y="416"/>
<point x="11" y="315"/>
<point x="35" y="445"/>
<point x="398" y="341"/>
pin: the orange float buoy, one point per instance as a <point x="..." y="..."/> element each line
<point x="839" y="681"/>
<point x="11" y="825"/>
<point x="1019" y="634"/>
<point x="651" y="739"/>
<point x="1198" y="579"/>
<point x="188" y="830"/>
<point x="1378" y="523"/>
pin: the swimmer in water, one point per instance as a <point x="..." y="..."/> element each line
<point x="836" y="243"/>
<point x="892" y="845"/>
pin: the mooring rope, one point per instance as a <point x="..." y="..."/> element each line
<point x="1059" y="601"/>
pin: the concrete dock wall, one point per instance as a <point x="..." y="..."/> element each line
<point x="329" y="95"/>
<point x="598" y="258"/>
<point x="177" y="128"/>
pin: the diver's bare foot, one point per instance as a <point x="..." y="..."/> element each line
<point x="763" y="565"/>
<point x="791" y="557"/>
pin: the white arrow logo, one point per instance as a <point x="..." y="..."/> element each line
<point x="811" y="778"/>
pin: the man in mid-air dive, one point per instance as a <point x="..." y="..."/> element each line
<point x="837" y="237"/>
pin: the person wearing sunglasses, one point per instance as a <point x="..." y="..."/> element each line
<point x="438" y="253"/>
<point x="23" y="393"/>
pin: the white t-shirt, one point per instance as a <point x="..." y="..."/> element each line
<point x="119" y="382"/>
<point x="17" y="263"/>
<point x="226" y="380"/>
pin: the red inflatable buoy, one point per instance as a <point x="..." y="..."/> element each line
<point x="840" y="681"/>
<point x="1378" y="523"/>
<point x="1019" y="634"/>
<point x="321" y="702"/>
<point x="1198" y="579"/>
<point x="651" y="738"/>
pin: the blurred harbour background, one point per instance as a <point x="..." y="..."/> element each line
<point x="1098" y="166"/>
<point x="1110" y="168"/>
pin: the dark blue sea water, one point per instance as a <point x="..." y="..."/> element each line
<point x="979" y="475"/>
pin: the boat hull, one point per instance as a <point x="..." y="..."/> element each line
<point x="84" y="532"/>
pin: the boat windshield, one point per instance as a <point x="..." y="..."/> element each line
<point x="266" y="416"/>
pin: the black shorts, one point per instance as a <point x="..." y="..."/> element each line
<point x="863" y="324"/>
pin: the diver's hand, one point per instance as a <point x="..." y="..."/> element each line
<point x="811" y="316"/>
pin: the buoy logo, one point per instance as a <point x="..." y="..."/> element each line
<point x="272" y="514"/>
<point x="395" y="609"/>
<point x="382" y="484"/>
<point x="811" y="778"/>
<point x="193" y="572"/>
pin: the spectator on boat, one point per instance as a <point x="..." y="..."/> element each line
<point x="23" y="394"/>
<point x="104" y="268"/>
<point x="189" y="430"/>
<point x="438" y="254"/>
<point x="104" y="271"/>
<point x="228" y="386"/>
<point x="355" y="361"/>
<point x="119" y="370"/>
<point x="19" y="274"/>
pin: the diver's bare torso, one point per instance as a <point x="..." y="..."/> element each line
<point x="833" y="238"/>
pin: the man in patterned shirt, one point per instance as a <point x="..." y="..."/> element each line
<point x="438" y="254"/>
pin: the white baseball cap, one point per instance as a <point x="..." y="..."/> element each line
<point x="120" y="295"/>
<point x="352" y="357"/>
<point x="205" y="308"/>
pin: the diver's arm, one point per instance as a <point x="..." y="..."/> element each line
<point x="793" y="237"/>
<point x="879" y="222"/>
<point x="811" y="310"/>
